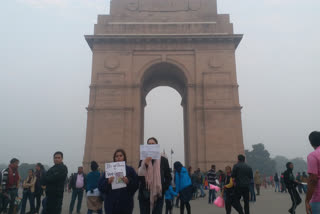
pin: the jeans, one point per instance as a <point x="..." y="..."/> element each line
<point x="145" y="206"/>
<point x="27" y="195"/>
<point x="37" y="199"/>
<point x="13" y="193"/>
<point x="277" y="187"/>
<point x="76" y="193"/>
<point x="252" y="193"/>
<point x="315" y="207"/>
<point x="212" y="195"/>
<point x="177" y="201"/>
<point x="244" y="193"/>
<point x="91" y="211"/>
<point x="201" y="189"/>
<point x="305" y="188"/>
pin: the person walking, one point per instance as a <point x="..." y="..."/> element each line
<point x="183" y="187"/>
<point x="28" y="192"/>
<point x="77" y="184"/>
<point x="38" y="192"/>
<point x="200" y="183"/>
<point x="212" y="177"/>
<point x="228" y="192"/>
<point x="291" y="185"/>
<point x="154" y="180"/>
<point x="10" y="185"/>
<point x="257" y="181"/>
<point x="169" y="196"/>
<point x="276" y="182"/>
<point x="54" y="182"/>
<point x="119" y="201"/>
<point x="242" y="173"/>
<point x="94" y="202"/>
<point x="313" y="194"/>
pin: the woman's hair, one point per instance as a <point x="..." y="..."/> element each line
<point x="177" y="166"/>
<point x="153" y="138"/>
<point x="123" y="153"/>
<point x="40" y="165"/>
<point x="228" y="167"/>
<point x="94" y="166"/>
<point x="31" y="170"/>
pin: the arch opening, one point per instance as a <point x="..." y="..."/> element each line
<point x="164" y="108"/>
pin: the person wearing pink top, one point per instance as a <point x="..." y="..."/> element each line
<point x="313" y="194"/>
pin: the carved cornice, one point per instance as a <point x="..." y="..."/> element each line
<point x="163" y="38"/>
<point x="92" y="108"/>
<point x="218" y="108"/>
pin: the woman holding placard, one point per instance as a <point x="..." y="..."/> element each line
<point x="119" y="201"/>
<point x="154" y="180"/>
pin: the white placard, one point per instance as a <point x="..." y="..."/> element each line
<point x="152" y="151"/>
<point x="116" y="170"/>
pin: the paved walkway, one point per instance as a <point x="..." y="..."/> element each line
<point x="268" y="203"/>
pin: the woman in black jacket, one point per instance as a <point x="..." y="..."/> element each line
<point x="119" y="201"/>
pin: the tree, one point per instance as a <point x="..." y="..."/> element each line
<point x="259" y="159"/>
<point x="300" y="165"/>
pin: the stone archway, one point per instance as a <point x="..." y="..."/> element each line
<point x="189" y="47"/>
<point x="166" y="74"/>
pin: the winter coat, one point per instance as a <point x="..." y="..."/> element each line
<point x="257" y="178"/>
<point x="119" y="200"/>
<point x="182" y="180"/>
<point x="73" y="181"/>
<point x="30" y="185"/>
<point x="54" y="180"/>
<point x="93" y="180"/>
<point x="170" y="193"/>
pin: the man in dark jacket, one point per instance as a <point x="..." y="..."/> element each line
<point x="54" y="182"/>
<point x="78" y="183"/>
<point x="242" y="174"/>
<point x="144" y="194"/>
<point x="212" y="177"/>
<point x="291" y="185"/>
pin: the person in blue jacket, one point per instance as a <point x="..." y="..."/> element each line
<point x="119" y="201"/>
<point x="169" y="195"/>
<point x="183" y="187"/>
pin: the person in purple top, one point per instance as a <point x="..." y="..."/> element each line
<point x="313" y="194"/>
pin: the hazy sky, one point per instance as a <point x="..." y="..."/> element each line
<point x="45" y="68"/>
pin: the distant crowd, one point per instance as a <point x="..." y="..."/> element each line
<point x="156" y="185"/>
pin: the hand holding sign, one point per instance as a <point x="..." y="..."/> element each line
<point x="115" y="172"/>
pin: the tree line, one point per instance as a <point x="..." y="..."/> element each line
<point x="259" y="159"/>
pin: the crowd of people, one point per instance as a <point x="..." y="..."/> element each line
<point x="155" y="183"/>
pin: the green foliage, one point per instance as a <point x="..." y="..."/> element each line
<point x="300" y="165"/>
<point x="259" y="159"/>
<point x="23" y="169"/>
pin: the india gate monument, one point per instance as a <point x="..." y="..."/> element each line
<point x="183" y="44"/>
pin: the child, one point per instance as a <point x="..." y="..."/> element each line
<point x="169" y="195"/>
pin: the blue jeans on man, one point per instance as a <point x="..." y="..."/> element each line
<point x="76" y="193"/>
<point x="10" y="200"/>
<point x="315" y="207"/>
<point x="212" y="195"/>
<point x="200" y="186"/>
<point x="277" y="183"/>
